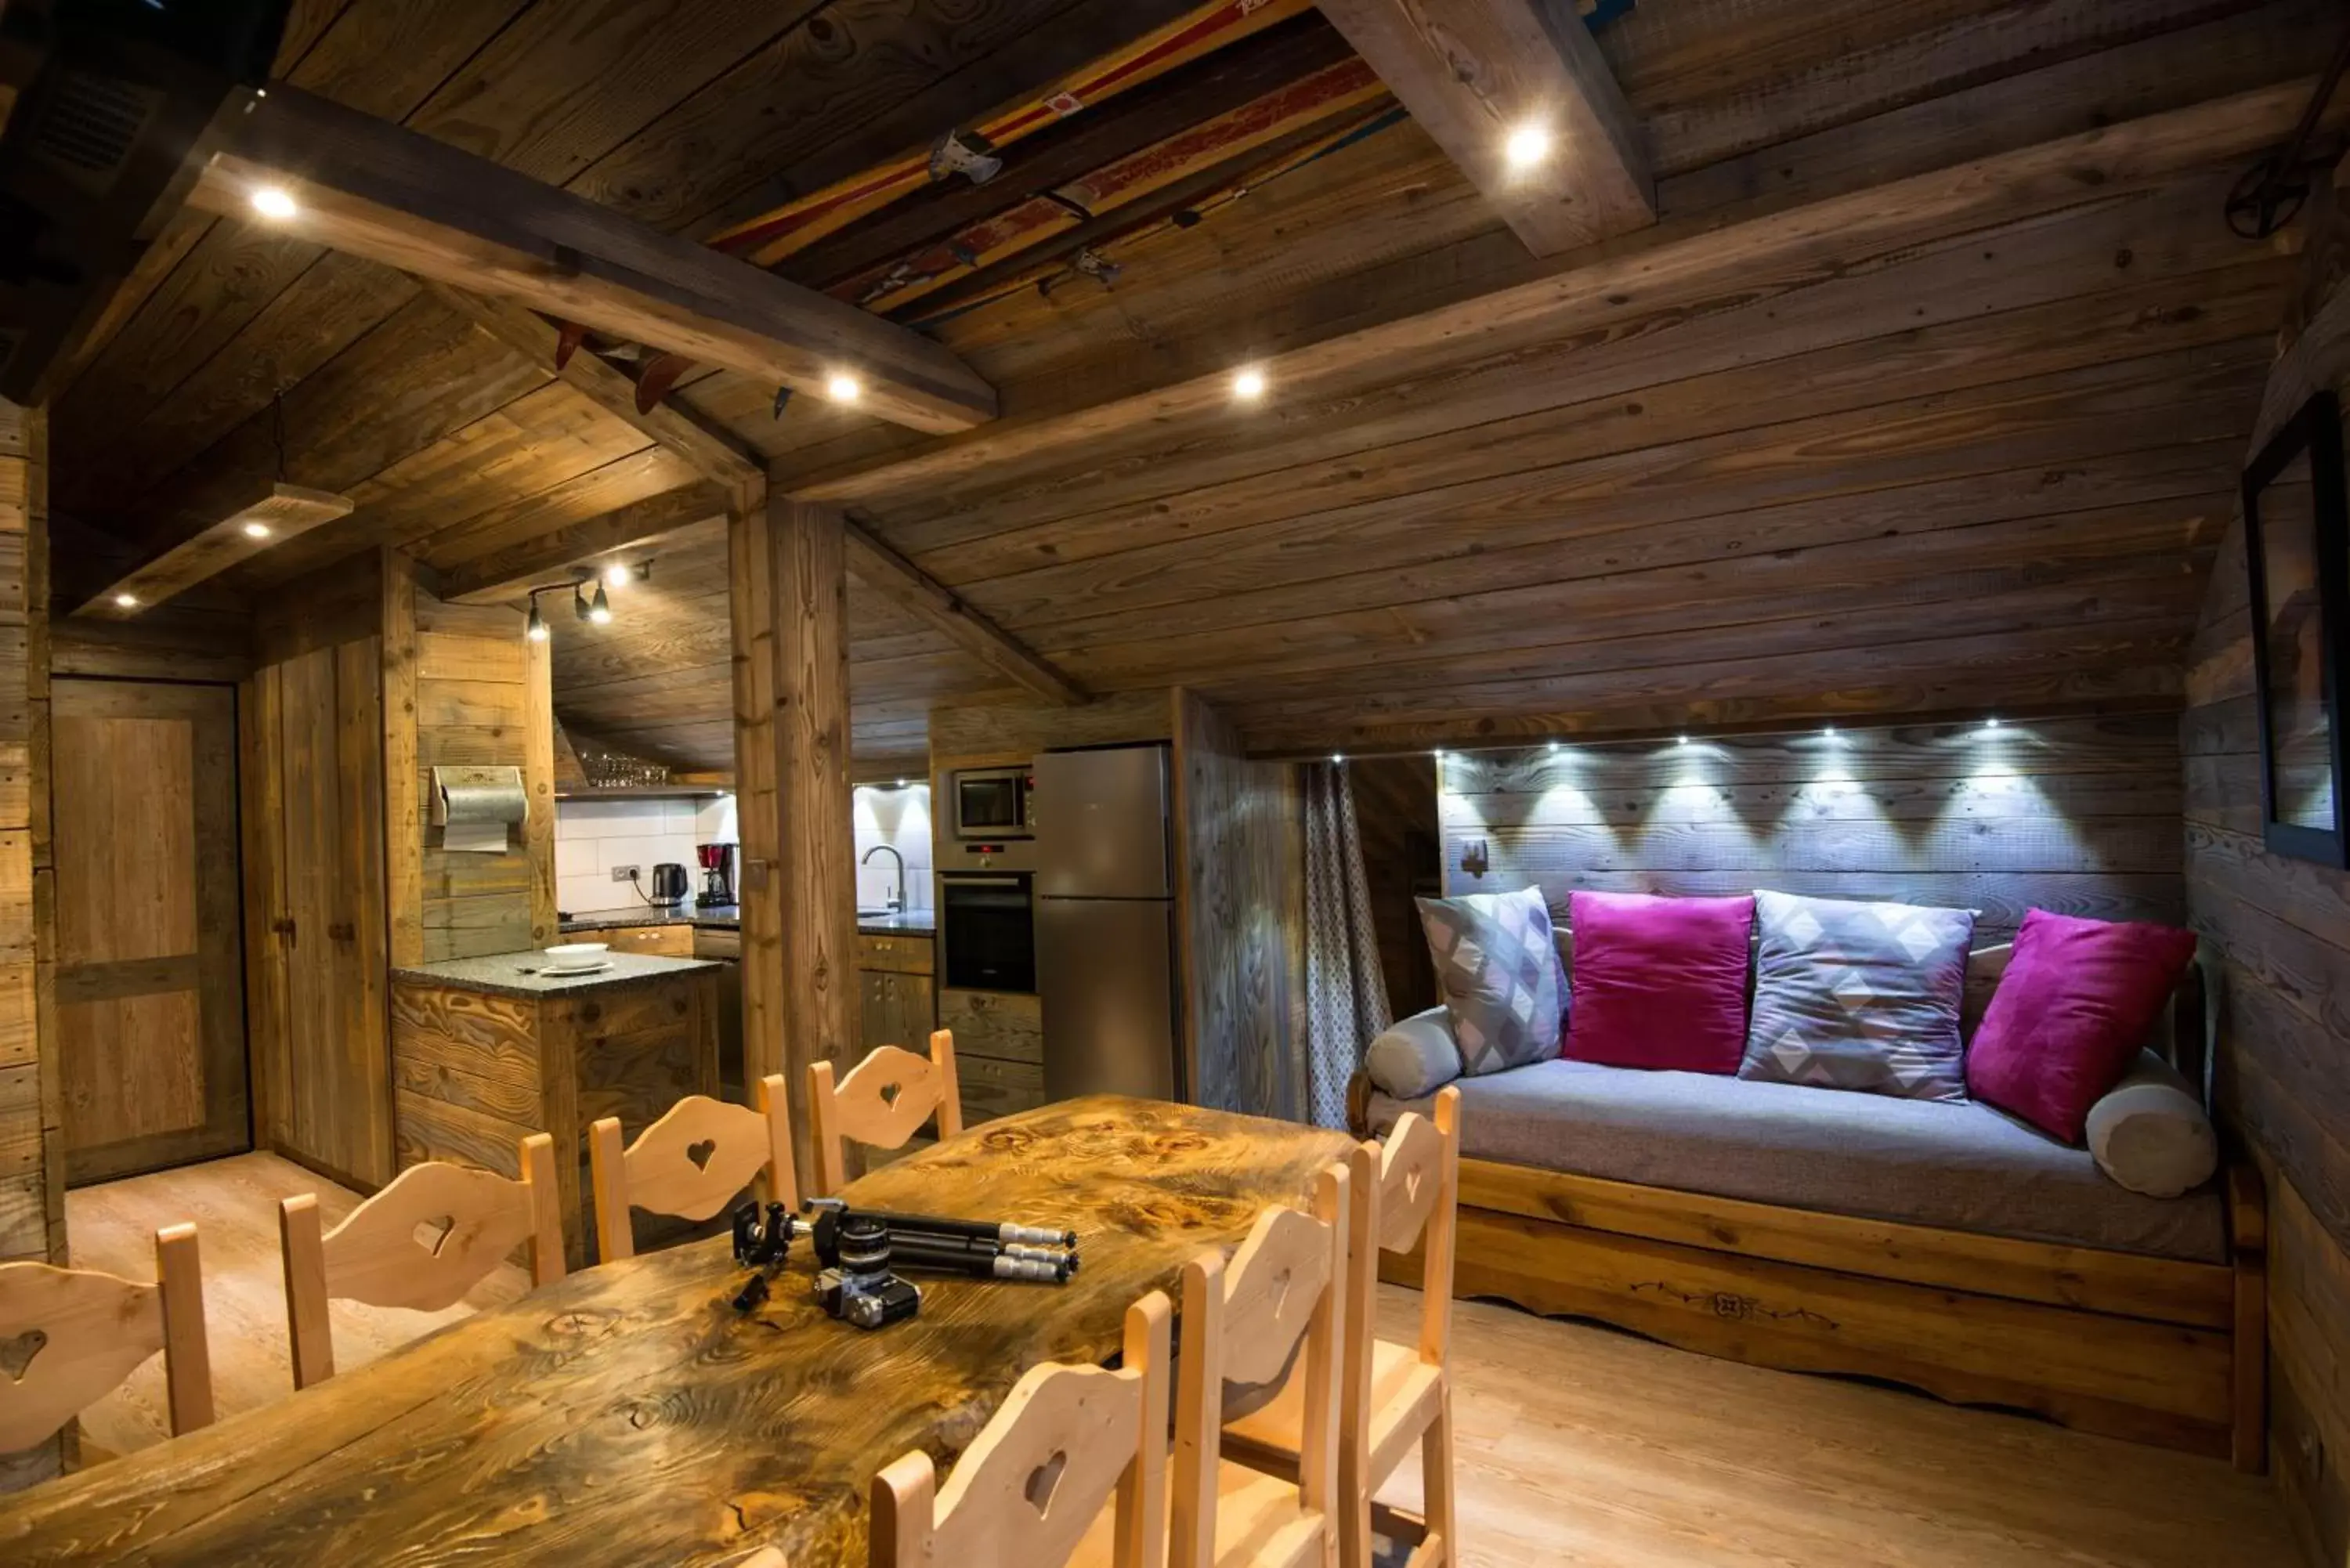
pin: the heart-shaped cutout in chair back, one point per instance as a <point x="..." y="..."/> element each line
<point x="1043" y="1482"/>
<point x="702" y="1153"/>
<point x="433" y="1234"/>
<point x="889" y="1093"/>
<point x="18" y="1354"/>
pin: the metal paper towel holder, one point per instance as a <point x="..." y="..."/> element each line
<point x="445" y="779"/>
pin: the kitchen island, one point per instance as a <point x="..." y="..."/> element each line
<point x="487" y="1050"/>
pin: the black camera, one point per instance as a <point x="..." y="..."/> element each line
<point x="860" y="1288"/>
<point x="761" y="1246"/>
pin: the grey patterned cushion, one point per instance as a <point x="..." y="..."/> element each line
<point x="1858" y="996"/>
<point x="1498" y="968"/>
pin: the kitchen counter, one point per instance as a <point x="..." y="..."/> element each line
<point x="487" y="1051"/>
<point x="521" y="973"/>
<point x="715" y="917"/>
<point x="911" y="923"/>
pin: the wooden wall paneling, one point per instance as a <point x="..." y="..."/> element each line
<point x="32" y="1139"/>
<point x="476" y="695"/>
<point x="758" y="814"/>
<point x="2075" y="816"/>
<point x="261" y="820"/>
<point x="2276" y="937"/>
<point x="1234" y="879"/>
<point x="1395" y="811"/>
<point x="1021" y="729"/>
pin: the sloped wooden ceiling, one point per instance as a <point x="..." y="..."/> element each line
<point x="1962" y="440"/>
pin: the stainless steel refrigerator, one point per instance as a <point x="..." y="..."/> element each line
<point x="1105" y="923"/>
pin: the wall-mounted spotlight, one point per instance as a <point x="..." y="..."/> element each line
<point x="599" y="608"/>
<point x="536" y="627"/>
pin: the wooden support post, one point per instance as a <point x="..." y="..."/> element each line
<point x="789" y="612"/>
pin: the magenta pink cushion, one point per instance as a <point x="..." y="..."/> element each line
<point x="1659" y="983"/>
<point x="2071" y="1014"/>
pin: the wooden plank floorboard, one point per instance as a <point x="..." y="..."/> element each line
<point x="234" y="1205"/>
<point x="1576" y="1445"/>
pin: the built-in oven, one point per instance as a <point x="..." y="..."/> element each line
<point x="987" y="931"/>
<point x="995" y="802"/>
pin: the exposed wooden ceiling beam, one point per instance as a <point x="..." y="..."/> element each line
<point x="506" y="573"/>
<point x="277" y="514"/>
<point x="908" y="586"/>
<point x="734" y="470"/>
<point x="1622" y="280"/>
<point x="375" y="190"/>
<point x="1477" y="73"/>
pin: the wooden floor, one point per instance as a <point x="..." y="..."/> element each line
<point x="1576" y="1445"/>
<point x="233" y="1203"/>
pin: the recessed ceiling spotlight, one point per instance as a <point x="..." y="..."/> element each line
<point x="1527" y="146"/>
<point x="273" y="201"/>
<point x="1680" y="740"/>
<point x="1828" y="732"/>
<point x="126" y="601"/>
<point x="1991" y="724"/>
<point x="1248" y="385"/>
<point x="901" y="783"/>
<point x="256" y="530"/>
<point x="1553" y="745"/>
<point x="843" y="388"/>
<point x="1338" y="757"/>
<point x="618" y="574"/>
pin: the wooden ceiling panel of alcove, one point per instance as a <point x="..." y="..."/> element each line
<point x="657" y="678"/>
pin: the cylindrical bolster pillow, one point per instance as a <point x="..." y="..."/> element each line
<point x="1415" y="1056"/>
<point x="2150" y="1133"/>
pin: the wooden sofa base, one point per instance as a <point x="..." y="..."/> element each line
<point x="2147" y="1349"/>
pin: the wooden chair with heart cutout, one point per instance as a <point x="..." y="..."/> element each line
<point x="883" y="1101"/>
<point x="690" y="1163"/>
<point x="423" y="1242"/>
<point x="70" y="1337"/>
<point x="1391" y="1395"/>
<point x="1037" y="1477"/>
<point x="1274" y="1313"/>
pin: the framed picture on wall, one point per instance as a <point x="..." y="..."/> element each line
<point x="2297" y="556"/>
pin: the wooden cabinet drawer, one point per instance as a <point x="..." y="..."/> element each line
<point x="994" y="1088"/>
<point x="662" y="941"/>
<point x="709" y="943"/>
<point x="997" y="1023"/>
<point x="899" y="954"/>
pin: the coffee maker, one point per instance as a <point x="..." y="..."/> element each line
<point x="717" y="872"/>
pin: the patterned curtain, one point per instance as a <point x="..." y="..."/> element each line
<point x="1345" y="994"/>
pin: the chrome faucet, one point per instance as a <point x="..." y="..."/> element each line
<point x="898" y="899"/>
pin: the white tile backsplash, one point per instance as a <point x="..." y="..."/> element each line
<point x="591" y="836"/>
<point x="900" y="818"/>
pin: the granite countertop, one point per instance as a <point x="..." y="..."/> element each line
<point x="911" y="923"/>
<point x="518" y="974"/>
<point x="718" y="917"/>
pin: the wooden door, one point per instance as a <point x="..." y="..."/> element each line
<point x="319" y="929"/>
<point x="149" y="980"/>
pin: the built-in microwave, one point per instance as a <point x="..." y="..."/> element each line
<point x="995" y="802"/>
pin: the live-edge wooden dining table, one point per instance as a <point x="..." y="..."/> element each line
<point x="629" y="1415"/>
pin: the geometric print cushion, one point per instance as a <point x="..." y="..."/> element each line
<point x="1858" y="996"/>
<point x="1499" y="971"/>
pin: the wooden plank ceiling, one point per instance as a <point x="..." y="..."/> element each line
<point x="1840" y="433"/>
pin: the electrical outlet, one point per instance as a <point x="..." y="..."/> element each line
<point x="624" y="873"/>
